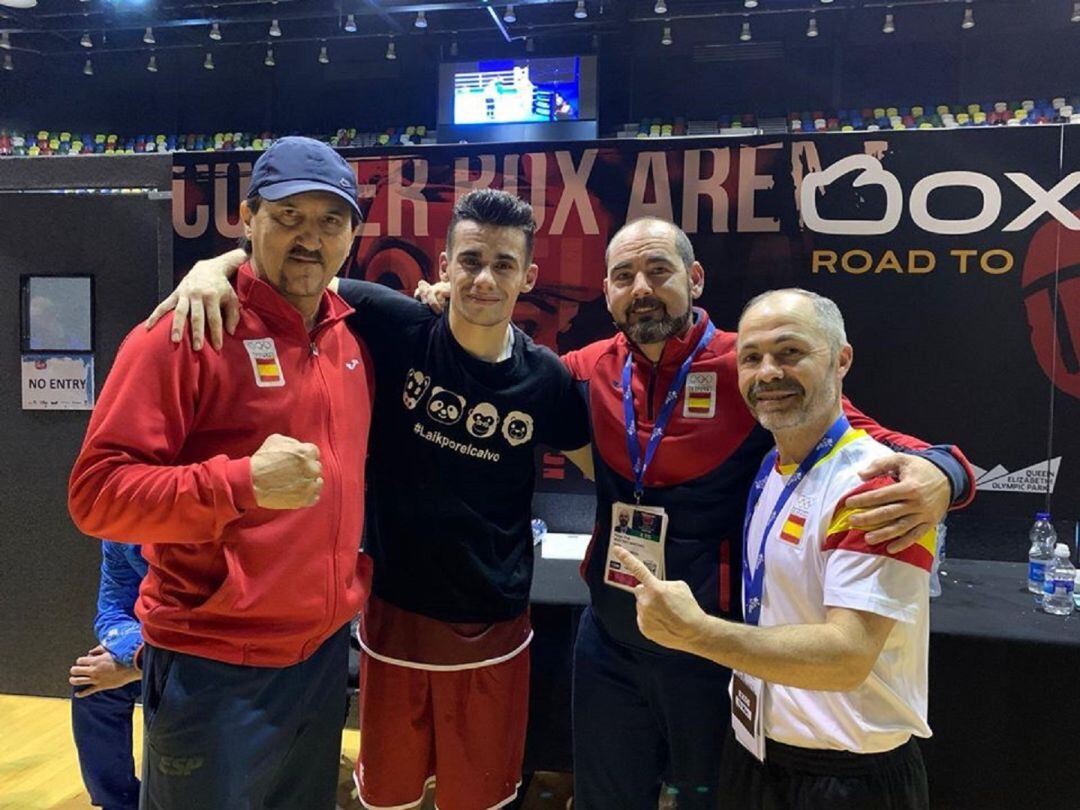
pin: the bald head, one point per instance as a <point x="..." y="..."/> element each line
<point x="654" y="225"/>
<point x="820" y="312"/>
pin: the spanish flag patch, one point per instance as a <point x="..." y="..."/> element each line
<point x="699" y="395"/>
<point x="792" y="529"/>
<point x="264" y="362"/>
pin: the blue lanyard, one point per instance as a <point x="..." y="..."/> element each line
<point x="638" y="464"/>
<point x="754" y="578"/>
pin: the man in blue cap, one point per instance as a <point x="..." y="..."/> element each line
<point x="247" y="497"/>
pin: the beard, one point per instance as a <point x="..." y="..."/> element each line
<point x="798" y="414"/>
<point x="658" y="327"/>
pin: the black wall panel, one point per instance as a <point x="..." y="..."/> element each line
<point x="48" y="570"/>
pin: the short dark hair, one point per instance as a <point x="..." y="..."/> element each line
<point x="490" y="206"/>
<point x="254" y="202"/>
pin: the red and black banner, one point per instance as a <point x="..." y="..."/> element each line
<point x="954" y="256"/>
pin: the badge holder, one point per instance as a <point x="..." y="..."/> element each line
<point x="747" y="707"/>
<point x="641" y="530"/>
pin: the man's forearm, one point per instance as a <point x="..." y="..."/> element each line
<point x="123" y="641"/>
<point x="233" y="259"/>
<point x="953" y="466"/>
<point x="822" y="657"/>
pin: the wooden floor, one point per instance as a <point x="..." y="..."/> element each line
<point x="40" y="771"/>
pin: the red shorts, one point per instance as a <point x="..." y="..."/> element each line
<point x="463" y="728"/>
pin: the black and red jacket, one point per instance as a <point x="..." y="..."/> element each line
<point x="701" y="472"/>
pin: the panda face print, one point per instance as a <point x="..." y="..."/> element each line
<point x="445" y="406"/>
<point x="416" y="385"/>
<point x="482" y="420"/>
<point x="517" y="428"/>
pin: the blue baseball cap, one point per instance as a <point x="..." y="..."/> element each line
<point x="295" y="165"/>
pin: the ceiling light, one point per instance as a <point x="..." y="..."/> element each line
<point x="391" y="53"/>
<point x="665" y="38"/>
<point x="889" y="26"/>
<point x="148" y="37"/>
<point x="580" y="13"/>
<point x="8" y="64"/>
<point x="350" y="23"/>
<point x="208" y="62"/>
<point x="88" y="68"/>
<point x="744" y="36"/>
<point x="18" y="4"/>
<point x="215" y="32"/>
<point x="5" y="41"/>
<point x="85" y="40"/>
<point x="269" y="60"/>
<point x="151" y="66"/>
<point x="275" y="29"/>
<point x="825" y="2"/>
<point x="811" y="28"/>
<point x="969" y="19"/>
<point x="660" y="7"/>
<point x="750" y="3"/>
<point x="509" y="16"/>
<point x="421" y="20"/>
<point x="1076" y="12"/>
<point x="324" y="57"/>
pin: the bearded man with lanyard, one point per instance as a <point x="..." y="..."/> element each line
<point x="675" y="447"/>
<point x="830" y="669"/>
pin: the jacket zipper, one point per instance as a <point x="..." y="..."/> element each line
<point x="331" y="456"/>
<point x="652" y="388"/>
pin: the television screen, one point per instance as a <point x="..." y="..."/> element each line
<point x="512" y="91"/>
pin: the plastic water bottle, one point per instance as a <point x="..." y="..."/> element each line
<point x="939" y="558"/>
<point x="1041" y="554"/>
<point x="1058" y="584"/>
<point x="1076" y="591"/>
<point x="539" y="529"/>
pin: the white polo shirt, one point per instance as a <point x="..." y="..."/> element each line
<point x="814" y="560"/>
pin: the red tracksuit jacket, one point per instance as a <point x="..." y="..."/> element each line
<point x="167" y="463"/>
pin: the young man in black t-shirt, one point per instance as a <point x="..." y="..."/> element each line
<point x="461" y="401"/>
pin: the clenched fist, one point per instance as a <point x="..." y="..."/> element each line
<point x="286" y="473"/>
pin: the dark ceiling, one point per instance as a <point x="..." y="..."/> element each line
<point x="120" y="25"/>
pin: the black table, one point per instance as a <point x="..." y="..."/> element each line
<point x="1004" y="705"/>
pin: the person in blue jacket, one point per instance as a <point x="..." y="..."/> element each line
<point x="106" y="683"/>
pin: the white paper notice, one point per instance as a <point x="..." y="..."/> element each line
<point x="58" y="382"/>
<point x="565" y="546"/>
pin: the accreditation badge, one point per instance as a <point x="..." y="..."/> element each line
<point x="747" y="708"/>
<point x="641" y="530"/>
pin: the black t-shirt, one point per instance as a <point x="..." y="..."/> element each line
<point x="451" y="459"/>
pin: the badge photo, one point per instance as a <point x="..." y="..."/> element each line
<point x="699" y="397"/>
<point x="264" y="362"/>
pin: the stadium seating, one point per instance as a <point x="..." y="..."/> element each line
<point x="1060" y="110"/>
<point x="45" y="142"/>
<point x="1027" y="112"/>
